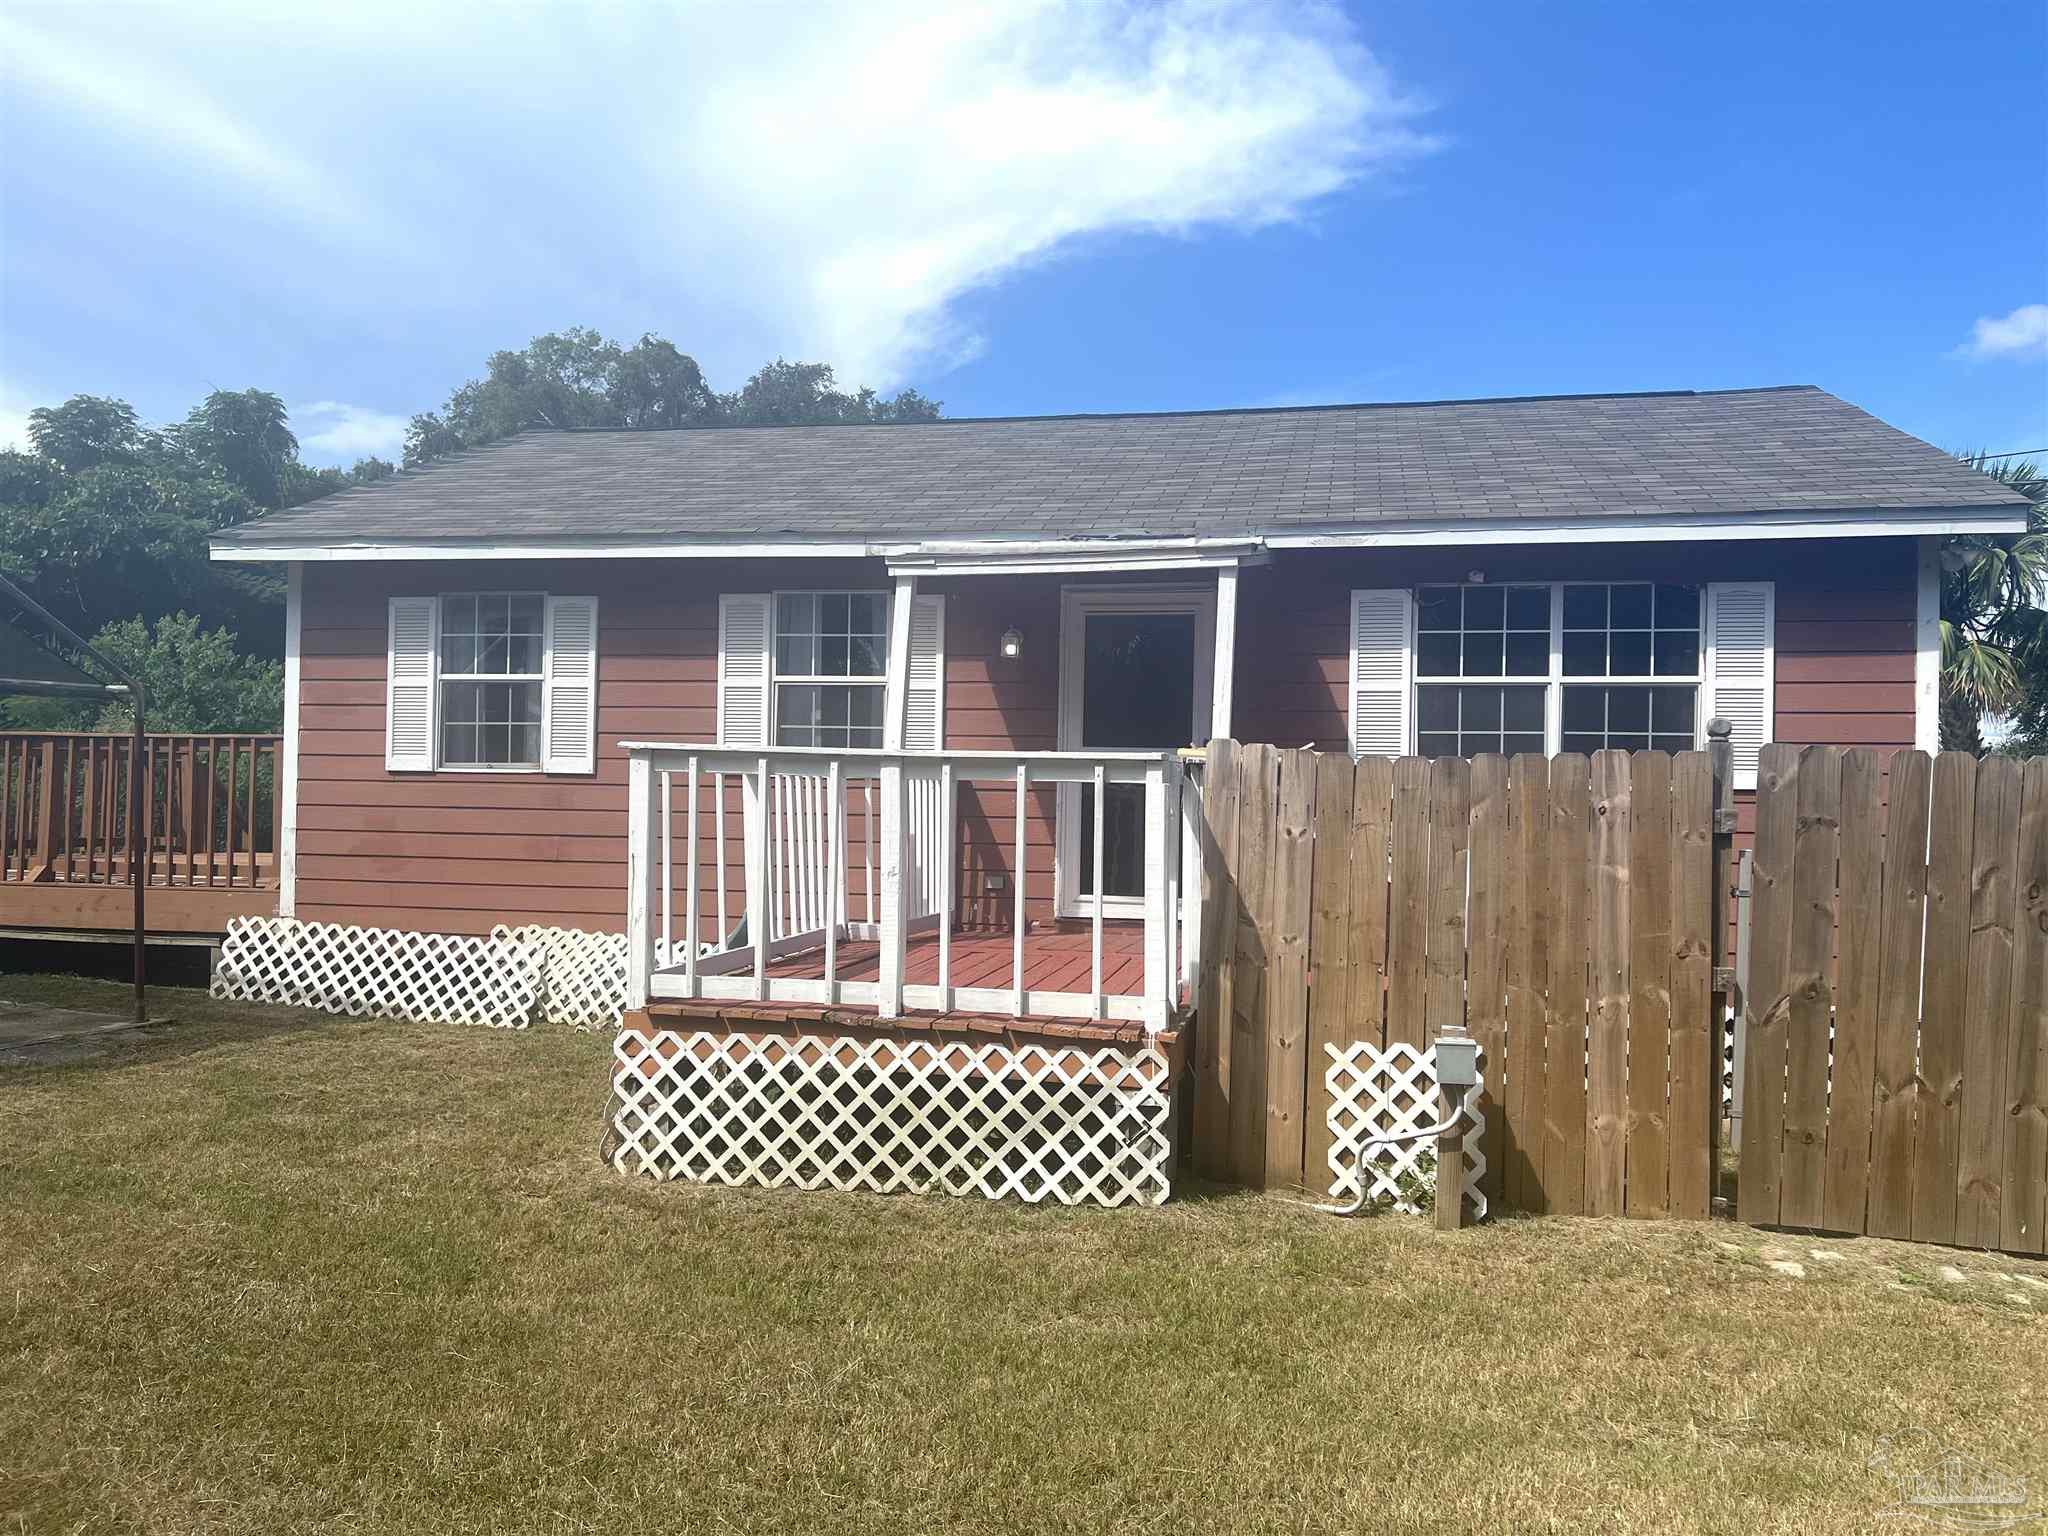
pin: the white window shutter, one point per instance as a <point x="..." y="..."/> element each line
<point x="924" y="702"/>
<point x="568" y="690"/>
<point x="1382" y="668"/>
<point x="745" y="637"/>
<point x="1741" y="662"/>
<point x="411" y="660"/>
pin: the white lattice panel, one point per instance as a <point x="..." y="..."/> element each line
<point x="1381" y="1093"/>
<point x="583" y="974"/>
<point x="381" y="973"/>
<point x="1072" y="1125"/>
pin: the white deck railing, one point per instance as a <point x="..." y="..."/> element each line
<point x="808" y="881"/>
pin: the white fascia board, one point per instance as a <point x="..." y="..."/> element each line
<point x="1934" y="522"/>
<point x="997" y="556"/>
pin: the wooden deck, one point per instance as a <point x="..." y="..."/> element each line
<point x="1056" y="959"/>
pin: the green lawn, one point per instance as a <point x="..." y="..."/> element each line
<point x="270" y="1271"/>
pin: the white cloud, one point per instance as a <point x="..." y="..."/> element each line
<point x="827" y="181"/>
<point x="330" y="431"/>
<point x="2023" y="333"/>
<point x="14" y="408"/>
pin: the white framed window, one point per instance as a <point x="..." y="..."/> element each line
<point x="830" y="668"/>
<point x="490" y="679"/>
<point x="491" y="682"/>
<point x="1557" y="666"/>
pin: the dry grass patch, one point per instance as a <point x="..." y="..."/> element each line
<point x="269" y="1271"/>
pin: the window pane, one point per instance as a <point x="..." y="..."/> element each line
<point x="460" y="702"/>
<point x="526" y="611"/>
<point x="458" y="745"/>
<point x="1678" y="653"/>
<point x="795" y="614"/>
<point x="1585" y="607"/>
<point x="1436" y="709"/>
<point x="795" y="710"/>
<point x="831" y="655"/>
<point x="492" y="654"/>
<point x="1523" y="711"/>
<point x="1528" y="654"/>
<point x="1437" y="744"/>
<point x="458" y="615"/>
<point x="1482" y="654"/>
<point x="1485" y="607"/>
<point x="1628" y="653"/>
<point x="1585" y="709"/>
<point x="493" y="613"/>
<point x="526" y="743"/>
<point x="1585" y="654"/>
<point x="1436" y="608"/>
<point x="865" y="708"/>
<point x="525" y="655"/>
<point x="1678" y="608"/>
<point x="1628" y="709"/>
<point x="1479" y="709"/>
<point x="1672" y="709"/>
<point x="795" y="655"/>
<point x="1523" y="741"/>
<point x="1628" y="606"/>
<point x="831" y="706"/>
<point x="1437" y="655"/>
<point x="831" y="613"/>
<point x="1529" y="608"/>
<point x="868" y="614"/>
<point x="864" y="656"/>
<point x="1575" y="741"/>
<point x="458" y="653"/>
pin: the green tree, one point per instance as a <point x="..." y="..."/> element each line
<point x="1994" y="635"/>
<point x="578" y="379"/>
<point x="85" y="432"/>
<point x="193" y="679"/>
<point x="245" y="437"/>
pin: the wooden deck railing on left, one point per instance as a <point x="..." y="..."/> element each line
<point x="208" y="820"/>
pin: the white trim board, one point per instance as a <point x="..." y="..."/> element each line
<point x="1927" y="649"/>
<point x="992" y="556"/>
<point x="288" y="758"/>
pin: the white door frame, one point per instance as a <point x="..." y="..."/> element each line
<point x="1076" y="605"/>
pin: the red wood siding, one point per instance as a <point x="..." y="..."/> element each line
<point x="459" y="852"/>
<point x="1845" y="621"/>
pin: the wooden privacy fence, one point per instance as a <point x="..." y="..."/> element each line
<point x="1562" y="909"/>
<point x="1906" y="905"/>
<point x="209" y="812"/>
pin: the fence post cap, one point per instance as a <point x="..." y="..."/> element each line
<point x="1719" y="729"/>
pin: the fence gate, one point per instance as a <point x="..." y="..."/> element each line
<point x="1562" y="909"/>
<point x="1901" y="918"/>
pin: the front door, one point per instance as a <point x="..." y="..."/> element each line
<point x="1134" y="674"/>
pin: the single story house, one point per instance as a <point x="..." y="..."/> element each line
<point x="901" y="698"/>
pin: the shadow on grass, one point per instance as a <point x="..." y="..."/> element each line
<point x="192" y="1022"/>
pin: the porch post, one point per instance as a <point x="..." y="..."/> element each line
<point x="640" y="816"/>
<point x="890" y="1004"/>
<point x="1158" y="899"/>
<point x="1223" y="674"/>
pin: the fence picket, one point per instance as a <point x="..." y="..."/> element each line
<point x="1646" y="1052"/>
<point x="1486" y="961"/>
<point x="1527" y="963"/>
<point x="1372" y="835"/>
<point x="1608" y="1022"/>
<point x="1564" y="1034"/>
<point x="1895" y="1096"/>
<point x="1766" y="1006"/>
<point x="1337" y="985"/>
<point x="2023" y="1215"/>
<point x="1450" y="817"/>
<point x="1944" y="998"/>
<point x="1258" y="772"/>
<point x="1692" y="1124"/>
<point x="1408" y="903"/>
<point x="1846" y="1179"/>
<point x="1980" y="1147"/>
<point x="1213" y="1084"/>
<point x="1809" y="987"/>
<point x="1287" y="972"/>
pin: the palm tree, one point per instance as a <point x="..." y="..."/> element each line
<point x="1994" y="634"/>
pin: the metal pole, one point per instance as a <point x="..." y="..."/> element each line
<point x="138" y="872"/>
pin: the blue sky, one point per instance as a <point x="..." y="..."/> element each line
<point x="1032" y="206"/>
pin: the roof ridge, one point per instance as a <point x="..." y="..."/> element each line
<point x="1203" y="411"/>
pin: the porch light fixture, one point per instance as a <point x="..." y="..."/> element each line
<point x="1012" y="643"/>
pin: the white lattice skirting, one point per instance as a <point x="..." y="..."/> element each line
<point x="1381" y="1093"/>
<point x="1031" y="1122"/>
<point x="559" y="975"/>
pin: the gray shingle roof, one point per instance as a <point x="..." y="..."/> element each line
<point x="1212" y="473"/>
